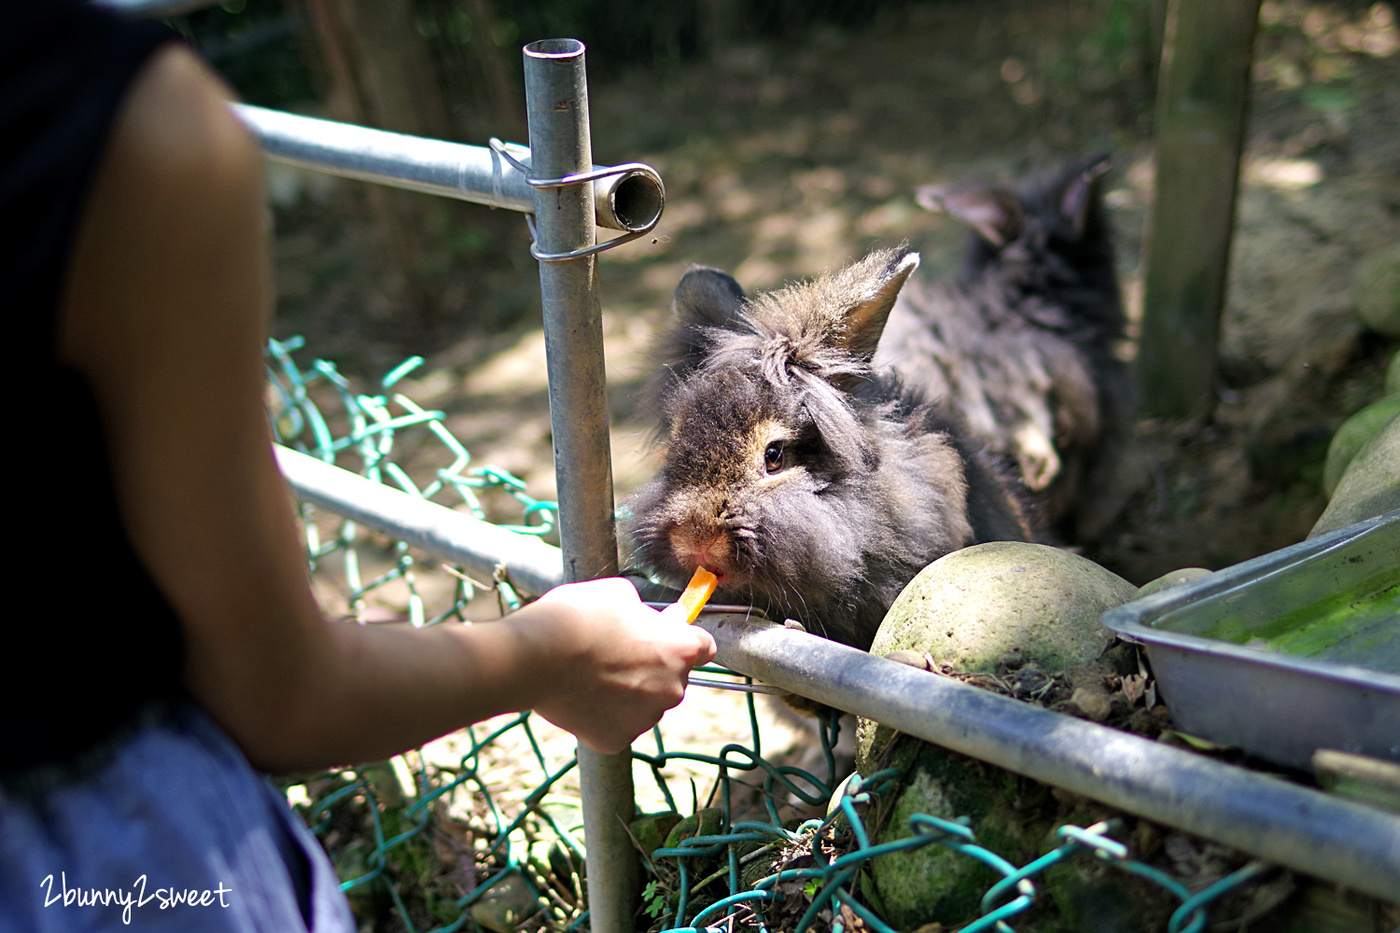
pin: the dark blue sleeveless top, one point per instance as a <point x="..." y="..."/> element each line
<point x="83" y="617"/>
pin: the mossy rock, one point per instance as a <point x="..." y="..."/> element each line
<point x="1000" y="604"/>
<point x="1005" y="602"/>
<point x="935" y="883"/>
<point x="1090" y="894"/>
<point x="1376" y="288"/>
<point x="650" y="830"/>
<point x="1354" y="433"/>
<point x="1172" y="578"/>
<point x="707" y="821"/>
<point x="1369" y="487"/>
<point x="996" y="605"/>
<point x="1093" y="894"/>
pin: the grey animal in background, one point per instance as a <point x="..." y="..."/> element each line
<point x="812" y="485"/>
<point x="814" y="478"/>
<point x="1025" y="343"/>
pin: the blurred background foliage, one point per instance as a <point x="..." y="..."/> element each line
<point x="270" y="50"/>
<point x="450" y="69"/>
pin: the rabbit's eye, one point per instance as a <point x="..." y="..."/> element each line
<point x="774" y="457"/>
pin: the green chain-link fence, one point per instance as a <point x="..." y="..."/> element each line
<point x="481" y="830"/>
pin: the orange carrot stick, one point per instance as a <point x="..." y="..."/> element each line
<point x="697" y="592"/>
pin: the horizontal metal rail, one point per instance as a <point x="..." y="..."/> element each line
<point x="628" y="197"/>
<point x="530" y="565"/>
<point x="1266" y="816"/>
<point x="1305" y="829"/>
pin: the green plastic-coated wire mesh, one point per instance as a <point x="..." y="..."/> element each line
<point x="482" y="829"/>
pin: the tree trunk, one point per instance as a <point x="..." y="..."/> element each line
<point x="506" y="108"/>
<point x="382" y="75"/>
<point x="1202" y="105"/>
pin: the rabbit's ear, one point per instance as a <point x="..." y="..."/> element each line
<point x="707" y="298"/>
<point x="1078" y="196"/>
<point x="874" y="283"/>
<point x="996" y="214"/>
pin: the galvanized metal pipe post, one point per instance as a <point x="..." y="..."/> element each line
<point x="556" y="103"/>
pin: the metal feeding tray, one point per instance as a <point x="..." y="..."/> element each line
<point x="1287" y="653"/>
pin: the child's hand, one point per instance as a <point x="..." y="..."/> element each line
<point x="616" y="664"/>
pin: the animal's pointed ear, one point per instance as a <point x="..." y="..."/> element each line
<point x="995" y="213"/>
<point x="707" y="298"/>
<point x="1077" y="199"/>
<point x="874" y="283"/>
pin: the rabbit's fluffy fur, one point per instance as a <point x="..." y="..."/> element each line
<point x="1025" y="344"/>
<point x="816" y="479"/>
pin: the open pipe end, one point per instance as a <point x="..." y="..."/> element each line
<point x="554" y="48"/>
<point x="634" y="200"/>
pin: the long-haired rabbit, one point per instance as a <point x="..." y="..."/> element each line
<point x="1024" y="343"/>
<point x="817" y="476"/>
<point x="812" y="485"/>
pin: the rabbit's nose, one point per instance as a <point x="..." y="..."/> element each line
<point x="699" y="549"/>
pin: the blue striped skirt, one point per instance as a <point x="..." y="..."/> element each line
<point x="173" y="831"/>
